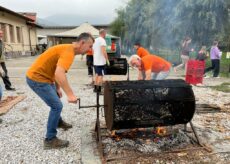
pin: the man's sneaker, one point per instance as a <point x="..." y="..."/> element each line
<point x="55" y="143"/>
<point x="97" y="88"/>
<point x="64" y="125"/>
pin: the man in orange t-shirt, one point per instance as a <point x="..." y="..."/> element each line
<point x="47" y="76"/>
<point x="140" y="51"/>
<point x="154" y="67"/>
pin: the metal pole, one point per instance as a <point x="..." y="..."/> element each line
<point x="194" y="131"/>
<point x="98" y="128"/>
<point x="128" y="72"/>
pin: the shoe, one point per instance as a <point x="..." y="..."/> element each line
<point x="216" y="77"/>
<point x="55" y="143"/>
<point x="10" y="89"/>
<point x="64" y="125"/>
<point x="97" y="89"/>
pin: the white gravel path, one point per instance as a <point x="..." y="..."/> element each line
<point x="23" y="128"/>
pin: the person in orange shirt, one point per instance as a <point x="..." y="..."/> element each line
<point x="89" y="61"/>
<point x="154" y="67"/>
<point x="113" y="46"/>
<point x="140" y="51"/>
<point x="47" y="76"/>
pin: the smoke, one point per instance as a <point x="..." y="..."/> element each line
<point x="163" y="24"/>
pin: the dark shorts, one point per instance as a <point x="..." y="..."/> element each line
<point x="99" y="70"/>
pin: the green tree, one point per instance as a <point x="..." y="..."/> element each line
<point x="164" y="23"/>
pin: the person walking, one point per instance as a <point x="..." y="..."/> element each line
<point x="47" y="76"/>
<point x="202" y="54"/>
<point x="100" y="59"/>
<point x="5" y="77"/>
<point x="215" y="56"/>
<point x="184" y="54"/>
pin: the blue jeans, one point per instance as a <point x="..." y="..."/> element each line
<point x="215" y="67"/>
<point x="160" y="76"/>
<point x="47" y="92"/>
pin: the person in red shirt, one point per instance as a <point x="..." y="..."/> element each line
<point x="154" y="67"/>
<point x="140" y="51"/>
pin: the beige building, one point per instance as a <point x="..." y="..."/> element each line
<point x="20" y="36"/>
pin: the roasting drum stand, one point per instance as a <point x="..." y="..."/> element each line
<point x="98" y="128"/>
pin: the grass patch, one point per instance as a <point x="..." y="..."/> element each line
<point x="224" y="87"/>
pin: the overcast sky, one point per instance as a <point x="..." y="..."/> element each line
<point x="45" y="8"/>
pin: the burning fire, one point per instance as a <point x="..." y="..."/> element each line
<point x="115" y="136"/>
<point x="161" y="131"/>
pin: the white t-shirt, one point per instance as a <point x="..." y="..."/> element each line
<point x="98" y="57"/>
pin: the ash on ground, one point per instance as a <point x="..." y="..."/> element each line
<point x="146" y="142"/>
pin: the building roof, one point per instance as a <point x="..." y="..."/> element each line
<point x="29" y="20"/>
<point x="30" y="15"/>
<point x="85" y="27"/>
<point x="69" y="27"/>
<point x="15" y="13"/>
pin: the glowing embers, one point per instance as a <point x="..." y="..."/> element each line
<point x="142" y="133"/>
<point x="145" y="140"/>
<point x="161" y="131"/>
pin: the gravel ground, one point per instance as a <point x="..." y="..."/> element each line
<point x="23" y="128"/>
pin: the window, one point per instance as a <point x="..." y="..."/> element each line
<point x="18" y="30"/>
<point x="11" y="28"/>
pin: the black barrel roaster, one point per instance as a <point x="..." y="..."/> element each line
<point x="118" y="66"/>
<point x="135" y="104"/>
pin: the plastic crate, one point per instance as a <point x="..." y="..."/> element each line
<point x="195" y="71"/>
<point x="193" y="80"/>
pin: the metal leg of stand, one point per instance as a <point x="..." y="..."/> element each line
<point x="185" y="127"/>
<point x="98" y="128"/>
<point x="128" y="73"/>
<point x="194" y="131"/>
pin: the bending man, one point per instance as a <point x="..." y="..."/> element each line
<point x="154" y="67"/>
<point x="47" y="76"/>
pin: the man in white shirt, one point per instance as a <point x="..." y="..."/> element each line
<point x="100" y="58"/>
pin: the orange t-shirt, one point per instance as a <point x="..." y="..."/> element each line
<point x="113" y="46"/>
<point x="141" y="52"/>
<point x="155" y="63"/>
<point x="89" y="52"/>
<point x="43" y="69"/>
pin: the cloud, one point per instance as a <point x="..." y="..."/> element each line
<point x="45" y="8"/>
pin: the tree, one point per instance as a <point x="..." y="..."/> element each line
<point x="164" y="23"/>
